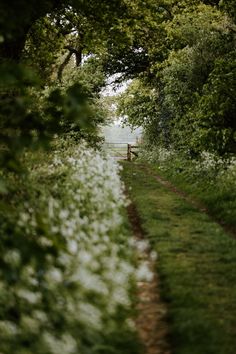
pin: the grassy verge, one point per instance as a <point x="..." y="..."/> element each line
<point x="196" y="265"/>
<point x="216" y="190"/>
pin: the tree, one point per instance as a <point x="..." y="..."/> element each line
<point x="194" y="38"/>
<point x="34" y="39"/>
<point x="216" y="110"/>
<point x="230" y="7"/>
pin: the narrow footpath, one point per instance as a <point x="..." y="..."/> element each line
<point x="151" y="321"/>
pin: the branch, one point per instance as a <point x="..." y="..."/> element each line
<point x="63" y="65"/>
<point x="77" y="52"/>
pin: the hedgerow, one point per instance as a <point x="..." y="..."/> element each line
<point x="67" y="270"/>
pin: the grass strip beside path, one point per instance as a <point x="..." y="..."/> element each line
<point x="197" y="266"/>
<point x="217" y="193"/>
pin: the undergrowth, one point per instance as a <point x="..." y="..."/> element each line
<point x="67" y="272"/>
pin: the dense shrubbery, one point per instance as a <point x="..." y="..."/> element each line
<point x="185" y="99"/>
<point x="31" y="115"/>
<point x="66" y="265"/>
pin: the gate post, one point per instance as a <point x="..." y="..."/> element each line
<point x="129" y="152"/>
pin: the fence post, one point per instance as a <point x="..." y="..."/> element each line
<point x="129" y="152"/>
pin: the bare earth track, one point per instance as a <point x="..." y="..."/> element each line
<point x="151" y="322"/>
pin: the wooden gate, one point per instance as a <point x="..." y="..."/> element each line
<point x="122" y="151"/>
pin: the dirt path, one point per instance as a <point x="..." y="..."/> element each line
<point x="151" y="321"/>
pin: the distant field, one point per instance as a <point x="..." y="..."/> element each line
<point x="117" y="150"/>
<point x="117" y="134"/>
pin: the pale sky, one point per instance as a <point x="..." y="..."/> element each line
<point x="115" y="89"/>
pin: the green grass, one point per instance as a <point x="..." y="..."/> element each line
<point x="217" y="193"/>
<point x="196" y="264"/>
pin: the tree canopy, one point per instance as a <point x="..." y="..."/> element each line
<point x="185" y="95"/>
<point x="180" y="54"/>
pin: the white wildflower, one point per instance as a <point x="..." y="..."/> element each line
<point x="8" y="329"/>
<point x="144" y="273"/>
<point x="12" y="257"/>
<point x="29" y="296"/>
<point x="54" y="275"/>
<point x="72" y="246"/>
<point x="153" y="256"/>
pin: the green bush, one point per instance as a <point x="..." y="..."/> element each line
<point x="67" y="269"/>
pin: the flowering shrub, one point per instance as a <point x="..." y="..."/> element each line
<point x="155" y="154"/>
<point x="67" y="269"/>
<point x="174" y="162"/>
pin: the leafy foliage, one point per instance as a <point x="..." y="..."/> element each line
<point x="42" y="44"/>
<point x="184" y="99"/>
<point x="67" y="266"/>
<point x="216" y="108"/>
<point x="29" y="119"/>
